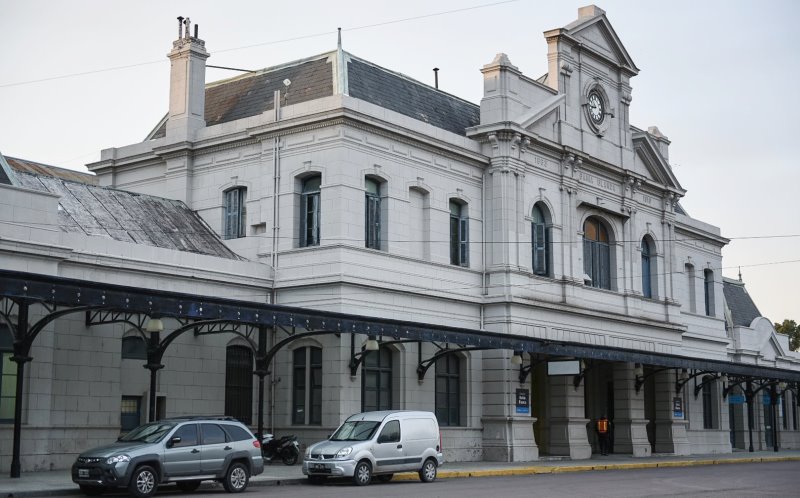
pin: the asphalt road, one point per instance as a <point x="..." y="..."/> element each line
<point x="756" y="480"/>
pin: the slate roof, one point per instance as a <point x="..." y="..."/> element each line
<point x="127" y="216"/>
<point x="743" y="309"/>
<point x="313" y="78"/>
<point x="26" y="166"/>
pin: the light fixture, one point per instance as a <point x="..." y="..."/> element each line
<point x="517" y="358"/>
<point x="638" y="371"/>
<point x="371" y="344"/>
<point x="782" y="385"/>
<point x="684" y="375"/>
<point x="154" y="325"/>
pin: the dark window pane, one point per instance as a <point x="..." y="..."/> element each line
<point x="134" y="348"/>
<point x="212" y="434"/>
<point x="239" y="383"/>
<point x="188" y="435"/>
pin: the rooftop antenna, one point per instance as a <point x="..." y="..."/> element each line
<point x="339" y="42"/>
<point x="740" y="274"/>
<point x="436" y="77"/>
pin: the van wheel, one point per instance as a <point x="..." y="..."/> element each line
<point x="236" y="478"/>
<point x="363" y="473"/>
<point x="144" y="482"/>
<point x="188" y="486"/>
<point x="428" y="471"/>
<point x="384" y="477"/>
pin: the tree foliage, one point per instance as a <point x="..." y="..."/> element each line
<point x="790" y="328"/>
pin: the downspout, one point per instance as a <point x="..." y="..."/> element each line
<point x="484" y="283"/>
<point x="276" y="227"/>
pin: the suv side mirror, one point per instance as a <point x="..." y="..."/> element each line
<point x="172" y="442"/>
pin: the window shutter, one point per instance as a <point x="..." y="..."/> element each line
<point x="587" y="260"/>
<point x="454" y="240"/>
<point x="315" y="215"/>
<point x="464" y="241"/>
<point x="539" y="249"/>
<point x="646" y="290"/>
<point x="605" y="263"/>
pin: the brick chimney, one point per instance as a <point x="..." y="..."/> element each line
<point x="187" y="84"/>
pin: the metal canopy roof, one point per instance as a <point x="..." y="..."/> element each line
<point x="67" y="292"/>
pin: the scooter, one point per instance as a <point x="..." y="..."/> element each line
<point x="286" y="448"/>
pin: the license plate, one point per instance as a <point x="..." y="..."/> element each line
<point x="319" y="466"/>
<point x="83" y="472"/>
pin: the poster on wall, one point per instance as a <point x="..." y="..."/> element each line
<point x="523" y="401"/>
<point x="677" y="407"/>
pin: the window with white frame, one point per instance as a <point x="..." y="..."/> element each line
<point x="459" y="234"/>
<point x="540" y="241"/>
<point x="448" y="385"/>
<point x="376" y="381"/>
<point x="708" y="291"/>
<point x="372" y="214"/>
<point x="310" y="211"/>
<point x="596" y="254"/>
<point x="690" y="282"/>
<point x="307" y="386"/>
<point x="234" y="212"/>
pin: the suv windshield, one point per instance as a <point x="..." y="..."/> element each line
<point x="360" y="430"/>
<point x="149" y="433"/>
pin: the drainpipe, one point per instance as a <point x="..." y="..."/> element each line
<point x="276" y="227"/>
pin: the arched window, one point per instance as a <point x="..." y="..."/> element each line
<point x="234" y="213"/>
<point x="134" y="348"/>
<point x="647" y="284"/>
<point x="448" y="384"/>
<point x="239" y="383"/>
<point x="372" y="213"/>
<point x="8" y="375"/>
<point x="596" y="254"/>
<point x="310" y="212"/>
<point x="459" y="234"/>
<point x="708" y="291"/>
<point x="376" y="381"/>
<point x="540" y="241"/>
<point x="307" y="386"/>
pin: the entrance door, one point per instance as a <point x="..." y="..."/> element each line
<point x="769" y="431"/>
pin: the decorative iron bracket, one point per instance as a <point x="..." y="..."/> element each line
<point x="640" y="380"/>
<point x="424" y="365"/>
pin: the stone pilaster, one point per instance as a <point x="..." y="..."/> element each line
<point x="629" y="423"/>
<point x="671" y="434"/>
<point x="567" y="423"/>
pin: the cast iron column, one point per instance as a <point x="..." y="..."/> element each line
<point x="773" y="394"/>
<point x="261" y="371"/>
<point x="749" y="395"/>
<point x="21" y="349"/>
<point x="154" y="365"/>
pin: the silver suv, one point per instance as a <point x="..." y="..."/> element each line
<point x="183" y="450"/>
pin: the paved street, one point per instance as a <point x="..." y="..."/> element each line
<point x="775" y="479"/>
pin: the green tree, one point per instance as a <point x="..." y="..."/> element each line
<point x="790" y="328"/>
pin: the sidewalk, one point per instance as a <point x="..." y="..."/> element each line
<point x="59" y="482"/>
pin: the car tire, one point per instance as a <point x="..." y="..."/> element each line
<point x="144" y="482"/>
<point x="384" y="477"/>
<point x="92" y="490"/>
<point x="362" y="473"/>
<point x="188" y="486"/>
<point x="317" y="480"/>
<point x="289" y="457"/>
<point x="236" y="478"/>
<point x="428" y="471"/>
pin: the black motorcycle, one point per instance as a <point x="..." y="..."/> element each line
<point x="286" y="448"/>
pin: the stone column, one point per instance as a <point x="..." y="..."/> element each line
<point x="671" y="434"/>
<point x="567" y="423"/>
<point x="629" y="424"/>
<point x="507" y="436"/>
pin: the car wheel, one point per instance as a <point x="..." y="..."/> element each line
<point x="363" y="473"/>
<point x="384" y="477"/>
<point x="188" y="486"/>
<point x="236" y="478"/>
<point x="144" y="482"/>
<point x="428" y="471"/>
<point x="316" y="479"/>
<point x="92" y="490"/>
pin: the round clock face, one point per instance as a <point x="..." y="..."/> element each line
<point x="596" y="107"/>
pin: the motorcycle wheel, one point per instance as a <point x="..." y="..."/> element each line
<point x="289" y="456"/>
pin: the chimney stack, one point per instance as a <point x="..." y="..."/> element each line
<point x="187" y="85"/>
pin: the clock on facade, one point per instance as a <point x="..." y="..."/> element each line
<point x="597" y="110"/>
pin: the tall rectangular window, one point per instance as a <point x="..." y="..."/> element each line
<point x="708" y="291"/>
<point x="8" y="375"/>
<point x="459" y="235"/>
<point x="130" y="413"/>
<point x="376" y="381"/>
<point x="448" y="380"/>
<point x="310" y="212"/>
<point x="372" y="215"/>
<point x="307" y="386"/>
<point x="692" y="293"/>
<point x="234" y="213"/>
<point x="596" y="254"/>
<point x="239" y="383"/>
<point x="708" y="407"/>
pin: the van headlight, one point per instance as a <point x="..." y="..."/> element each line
<point x="118" y="459"/>
<point x="344" y="452"/>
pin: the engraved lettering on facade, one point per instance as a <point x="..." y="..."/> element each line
<point x="539" y="161"/>
<point x="606" y="185"/>
<point x="647" y="199"/>
<point x="586" y="178"/>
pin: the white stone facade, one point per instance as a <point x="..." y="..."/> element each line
<point x="535" y="145"/>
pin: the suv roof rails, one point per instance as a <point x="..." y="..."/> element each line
<point x="203" y="417"/>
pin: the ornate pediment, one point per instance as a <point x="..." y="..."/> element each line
<point x="651" y="163"/>
<point x="595" y="34"/>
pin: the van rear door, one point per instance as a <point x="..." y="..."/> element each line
<point x="419" y="435"/>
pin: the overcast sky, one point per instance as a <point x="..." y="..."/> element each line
<point x="719" y="78"/>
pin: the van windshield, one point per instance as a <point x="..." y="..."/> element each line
<point x="357" y="430"/>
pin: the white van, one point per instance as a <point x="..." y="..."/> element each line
<point x="378" y="444"/>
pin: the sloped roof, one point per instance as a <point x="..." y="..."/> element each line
<point x="128" y="217"/>
<point x="26" y="166"/>
<point x="743" y="309"/>
<point x="313" y="78"/>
